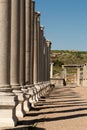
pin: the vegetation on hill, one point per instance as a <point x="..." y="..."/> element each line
<point x="61" y="57"/>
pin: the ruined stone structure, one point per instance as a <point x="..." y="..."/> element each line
<point x="24" y="59"/>
<point x="76" y="76"/>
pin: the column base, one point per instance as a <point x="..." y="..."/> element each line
<point x="19" y="108"/>
<point x="27" y="105"/>
<point x="7" y="111"/>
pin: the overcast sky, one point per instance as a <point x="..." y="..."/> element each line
<point x="65" y="23"/>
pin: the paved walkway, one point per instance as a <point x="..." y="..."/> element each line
<point x="64" y="109"/>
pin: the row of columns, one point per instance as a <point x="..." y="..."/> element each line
<point x="24" y="59"/>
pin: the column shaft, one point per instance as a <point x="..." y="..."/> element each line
<point x="78" y="76"/>
<point x="22" y="42"/>
<point x="32" y="42"/>
<point x="27" y="39"/>
<point x="4" y="43"/>
<point x="7" y="98"/>
<point x="51" y="70"/>
<point x="35" y="48"/>
<point x="15" y="41"/>
<point x="15" y="55"/>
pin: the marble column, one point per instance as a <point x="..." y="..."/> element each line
<point x="27" y="40"/>
<point x="15" y="56"/>
<point x="8" y="100"/>
<point x="78" y="76"/>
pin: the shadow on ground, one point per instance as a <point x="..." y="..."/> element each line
<point x="71" y="102"/>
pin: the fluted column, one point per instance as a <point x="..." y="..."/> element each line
<point x="32" y="42"/>
<point x="22" y="43"/>
<point x="42" y="51"/>
<point x="36" y="31"/>
<point x="27" y="40"/>
<point x="15" y="55"/>
<point x="48" y="59"/>
<point x="38" y="38"/>
<point x="8" y="101"/>
<point x="44" y="65"/>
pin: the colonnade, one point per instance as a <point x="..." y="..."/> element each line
<point x="24" y="60"/>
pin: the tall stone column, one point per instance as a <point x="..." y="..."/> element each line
<point x="48" y="59"/>
<point x="65" y="74"/>
<point x="45" y="61"/>
<point x="51" y="70"/>
<point x="8" y="101"/>
<point x="44" y="53"/>
<point x="22" y="43"/>
<point x="38" y="44"/>
<point x="27" y="40"/>
<point x="15" y="55"/>
<point x="78" y="76"/>
<point x="85" y="74"/>
<point x="41" y="50"/>
<point x="36" y="15"/>
<point x="32" y="42"/>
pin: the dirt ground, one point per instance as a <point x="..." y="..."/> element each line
<point x="64" y="109"/>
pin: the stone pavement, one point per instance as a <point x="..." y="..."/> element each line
<point x="64" y="109"/>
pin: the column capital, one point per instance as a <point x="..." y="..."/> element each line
<point x="42" y="27"/>
<point x="37" y="13"/>
<point x="48" y="43"/>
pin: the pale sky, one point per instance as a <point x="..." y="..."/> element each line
<point x="65" y="23"/>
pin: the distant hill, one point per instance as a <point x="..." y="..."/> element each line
<point x="60" y="57"/>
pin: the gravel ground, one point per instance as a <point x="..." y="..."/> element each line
<point x="64" y="109"/>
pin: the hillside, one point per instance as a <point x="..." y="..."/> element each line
<point x="60" y="57"/>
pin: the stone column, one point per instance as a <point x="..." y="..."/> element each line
<point x="48" y="59"/>
<point x="27" y="40"/>
<point x="51" y="70"/>
<point x="65" y="74"/>
<point x="78" y="76"/>
<point x="36" y="15"/>
<point x="41" y="50"/>
<point x="8" y="101"/>
<point x="15" y="55"/>
<point x="22" y="43"/>
<point x="38" y="44"/>
<point x="44" y="53"/>
<point x="32" y="42"/>
<point x="85" y="75"/>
